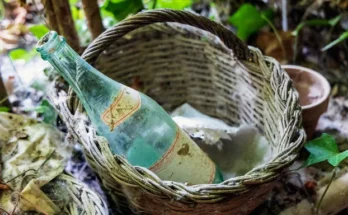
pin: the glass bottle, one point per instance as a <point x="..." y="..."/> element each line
<point x="134" y="124"/>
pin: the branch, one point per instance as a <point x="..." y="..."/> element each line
<point x="66" y="23"/>
<point x="93" y="17"/>
<point x="50" y="15"/>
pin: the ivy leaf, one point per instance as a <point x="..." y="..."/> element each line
<point x="321" y="149"/>
<point x="122" y="8"/>
<point x="22" y="54"/>
<point x="336" y="160"/>
<point x="324" y="148"/>
<point x="248" y="20"/>
<point x="170" y="4"/>
<point x="4" y="109"/>
<point x="39" y="30"/>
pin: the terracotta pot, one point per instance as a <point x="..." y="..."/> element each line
<point x="314" y="92"/>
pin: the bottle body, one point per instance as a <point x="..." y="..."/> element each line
<point x="134" y="124"/>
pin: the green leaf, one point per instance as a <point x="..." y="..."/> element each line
<point x="313" y="159"/>
<point x="122" y="8"/>
<point x="248" y="20"/>
<point x="323" y="148"/>
<point x="39" y="30"/>
<point x="169" y="4"/>
<point x="341" y="38"/>
<point x="4" y="109"/>
<point x="325" y="144"/>
<point x="336" y="160"/>
<point x="22" y="54"/>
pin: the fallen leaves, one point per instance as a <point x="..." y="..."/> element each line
<point x="270" y="45"/>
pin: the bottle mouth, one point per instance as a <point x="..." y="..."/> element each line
<point x="49" y="43"/>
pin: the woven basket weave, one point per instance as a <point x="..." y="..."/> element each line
<point x="179" y="57"/>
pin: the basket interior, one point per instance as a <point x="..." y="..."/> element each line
<point x="174" y="64"/>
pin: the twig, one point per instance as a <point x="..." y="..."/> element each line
<point x="327" y="188"/>
<point x="43" y="163"/>
<point x="17" y="202"/>
<point x="35" y="170"/>
<point x="23" y="173"/>
<point x="4" y="99"/>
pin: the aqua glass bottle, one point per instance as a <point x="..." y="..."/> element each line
<point x="134" y="124"/>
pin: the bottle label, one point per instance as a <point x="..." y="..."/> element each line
<point x="185" y="162"/>
<point x="126" y="103"/>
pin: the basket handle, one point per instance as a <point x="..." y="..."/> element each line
<point x="239" y="49"/>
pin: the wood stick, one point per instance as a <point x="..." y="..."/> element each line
<point x="93" y="17"/>
<point x="50" y="15"/>
<point x="66" y="23"/>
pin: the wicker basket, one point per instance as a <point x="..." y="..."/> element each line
<point x="179" y="57"/>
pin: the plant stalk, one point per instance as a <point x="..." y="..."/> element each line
<point x="327" y="188"/>
<point x="50" y="15"/>
<point x="66" y="23"/>
<point x="93" y="17"/>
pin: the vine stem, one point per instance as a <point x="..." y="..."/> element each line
<point x="326" y="189"/>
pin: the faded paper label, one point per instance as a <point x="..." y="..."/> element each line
<point x="185" y="162"/>
<point x="126" y="103"/>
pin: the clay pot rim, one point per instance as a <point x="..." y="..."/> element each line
<point x="325" y="84"/>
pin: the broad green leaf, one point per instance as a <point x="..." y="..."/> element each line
<point x="4" y="109"/>
<point x="122" y="8"/>
<point x="248" y="20"/>
<point x="22" y="54"/>
<point x="170" y="4"/>
<point x="39" y="30"/>
<point x="336" y="160"/>
<point x="313" y="159"/>
<point x="321" y="149"/>
<point x="341" y="38"/>
<point x="325" y="144"/>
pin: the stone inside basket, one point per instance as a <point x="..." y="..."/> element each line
<point x="176" y="57"/>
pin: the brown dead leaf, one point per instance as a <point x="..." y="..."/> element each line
<point x="269" y="44"/>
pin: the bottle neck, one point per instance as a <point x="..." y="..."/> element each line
<point x="64" y="59"/>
